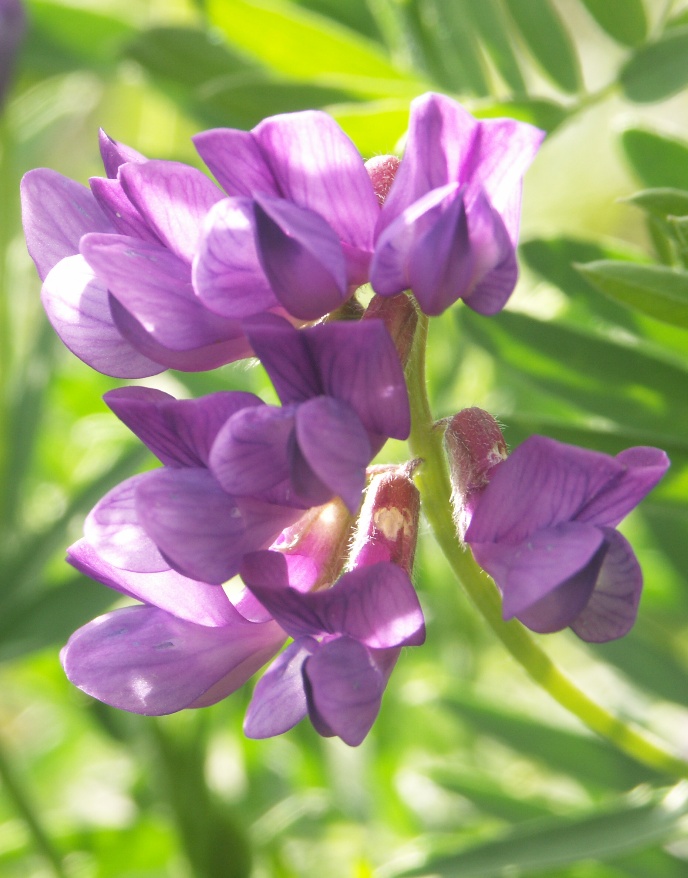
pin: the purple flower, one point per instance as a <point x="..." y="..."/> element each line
<point x="449" y="226"/>
<point x="12" y="29"/>
<point x="186" y="645"/>
<point x="343" y="393"/>
<point x="347" y="638"/>
<point x="544" y="529"/>
<point x="179" y="516"/>
<point x="298" y="231"/>
<point x="115" y="262"/>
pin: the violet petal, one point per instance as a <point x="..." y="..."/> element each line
<point x="613" y="606"/>
<point x="178" y="432"/>
<point x="237" y="161"/>
<point x="56" y="212"/>
<point x="78" y="309"/>
<point x="346" y="688"/>
<point x="302" y="258"/>
<point x="173" y="199"/>
<point x="146" y="661"/>
<point x="227" y="274"/>
<point x="168" y="590"/>
<point x="115" y="154"/>
<point x="124" y="217"/>
<point x="279" y="699"/>
<point x="202" y="530"/>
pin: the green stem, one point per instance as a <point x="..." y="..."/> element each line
<point x="25" y="809"/>
<point x="433" y="481"/>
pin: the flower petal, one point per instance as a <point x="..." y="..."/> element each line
<point x="115" y="154"/>
<point x="115" y="532"/>
<point x="302" y="258"/>
<point x="335" y="445"/>
<point x="528" y="571"/>
<point x="345" y="689"/>
<point x="56" y="212"/>
<point x="227" y="274"/>
<point x="318" y="167"/>
<point x="168" y="590"/>
<point x="643" y="466"/>
<point x="178" y="432"/>
<point x="78" y="309"/>
<point x="202" y="530"/>
<point x="124" y="217"/>
<point x="279" y="699"/>
<point x="541" y="484"/>
<point x="237" y="161"/>
<point x="146" y="661"/>
<point x="613" y="606"/>
<point x="173" y="199"/>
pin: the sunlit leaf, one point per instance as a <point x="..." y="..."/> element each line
<point x="658" y="69"/>
<point x="489" y="21"/>
<point x="656" y="290"/>
<point x="633" y="822"/>
<point x="624" y="20"/>
<point x="548" y="41"/>
<point x="662" y="202"/>
<point x="658" y="159"/>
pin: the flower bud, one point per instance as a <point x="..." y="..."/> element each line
<point x="315" y="546"/>
<point x="382" y="169"/>
<point x="388" y="523"/>
<point x="474" y="445"/>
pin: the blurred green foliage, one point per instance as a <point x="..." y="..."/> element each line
<point x="468" y="771"/>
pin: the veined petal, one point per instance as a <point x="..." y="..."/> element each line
<point x="180" y="432"/>
<point x="146" y="661"/>
<point x="541" y="484"/>
<point x="124" y="217"/>
<point x="168" y="590"/>
<point x="154" y="286"/>
<point x="613" y="606"/>
<point x="284" y="353"/>
<point x="237" y="161"/>
<point x="530" y="570"/>
<point x="115" y="154"/>
<point x="78" y="309"/>
<point x="56" y="212"/>
<point x="302" y="258"/>
<point x="357" y="363"/>
<point x="227" y="274"/>
<point x="335" y="445"/>
<point x="203" y="531"/>
<point x="643" y="466"/>
<point x="345" y="689"/>
<point x="173" y="199"/>
<point x="114" y="530"/>
<point x="250" y="454"/>
<point x="279" y="699"/>
<point x="318" y="167"/>
<point x="213" y="353"/>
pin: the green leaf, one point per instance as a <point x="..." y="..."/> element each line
<point x="489" y="21"/>
<point x="632" y="823"/>
<point x="624" y="20"/>
<point x="354" y="14"/>
<point x="548" y="41"/>
<point x="658" y="69"/>
<point x="655" y="290"/>
<point x="589" y="759"/>
<point x="662" y="202"/>
<point x="658" y="160"/>
<point x="301" y="45"/>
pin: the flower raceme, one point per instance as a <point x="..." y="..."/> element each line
<point x="543" y="525"/>
<point x="155" y="266"/>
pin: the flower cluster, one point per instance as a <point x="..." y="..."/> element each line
<point x="157" y="266"/>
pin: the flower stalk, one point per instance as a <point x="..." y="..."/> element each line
<point x="433" y="482"/>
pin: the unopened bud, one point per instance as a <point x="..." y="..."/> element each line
<point x="474" y="445"/>
<point x="382" y="169"/>
<point x="388" y="523"/>
<point x="315" y="546"/>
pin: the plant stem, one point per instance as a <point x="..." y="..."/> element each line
<point x="433" y="481"/>
<point x="26" y="811"/>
